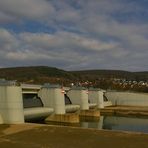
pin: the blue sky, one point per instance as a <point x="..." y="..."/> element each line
<point x="74" y="34"/>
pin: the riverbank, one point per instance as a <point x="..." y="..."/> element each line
<point x="45" y="136"/>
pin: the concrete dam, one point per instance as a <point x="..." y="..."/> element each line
<point x="55" y="103"/>
<point x="26" y="102"/>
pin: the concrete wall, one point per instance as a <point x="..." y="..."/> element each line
<point x="127" y="98"/>
<point x="11" y="105"/>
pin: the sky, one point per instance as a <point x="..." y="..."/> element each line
<point x="74" y="34"/>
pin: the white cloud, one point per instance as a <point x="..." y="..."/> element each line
<point x="8" y="42"/>
<point x="26" y="55"/>
<point x="74" y="51"/>
<point x="66" y="40"/>
<point x="41" y="46"/>
<point x="25" y="9"/>
<point x="88" y="33"/>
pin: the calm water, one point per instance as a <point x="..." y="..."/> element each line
<point x="118" y="123"/>
<point x="132" y="124"/>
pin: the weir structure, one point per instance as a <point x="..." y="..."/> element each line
<point x="54" y="96"/>
<point x="25" y="102"/>
<point x="20" y="103"/>
<point x="97" y="96"/>
<point x="79" y="95"/>
<point x="34" y="108"/>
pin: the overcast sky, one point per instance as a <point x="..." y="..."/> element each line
<point x="74" y="34"/>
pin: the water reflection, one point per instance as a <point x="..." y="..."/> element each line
<point x="118" y="123"/>
<point x="110" y="123"/>
<point x="93" y="123"/>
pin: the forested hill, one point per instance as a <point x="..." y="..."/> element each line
<point x="43" y="74"/>
<point x="138" y="76"/>
<point x="35" y="74"/>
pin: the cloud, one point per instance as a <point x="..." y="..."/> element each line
<point x="66" y="40"/>
<point x="4" y="18"/>
<point x="42" y="46"/>
<point x="28" y="9"/>
<point x="8" y="42"/>
<point x="87" y="34"/>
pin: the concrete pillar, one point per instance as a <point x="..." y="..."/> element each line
<point x="100" y="99"/>
<point x="96" y="96"/>
<point x="79" y="96"/>
<point x="11" y="105"/>
<point x="53" y="97"/>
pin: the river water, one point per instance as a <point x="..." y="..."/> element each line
<point x="118" y="123"/>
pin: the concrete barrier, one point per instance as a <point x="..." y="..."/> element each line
<point x="127" y="98"/>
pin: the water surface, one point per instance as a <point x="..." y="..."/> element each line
<point x="118" y="123"/>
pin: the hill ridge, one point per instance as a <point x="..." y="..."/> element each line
<point x="40" y="74"/>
